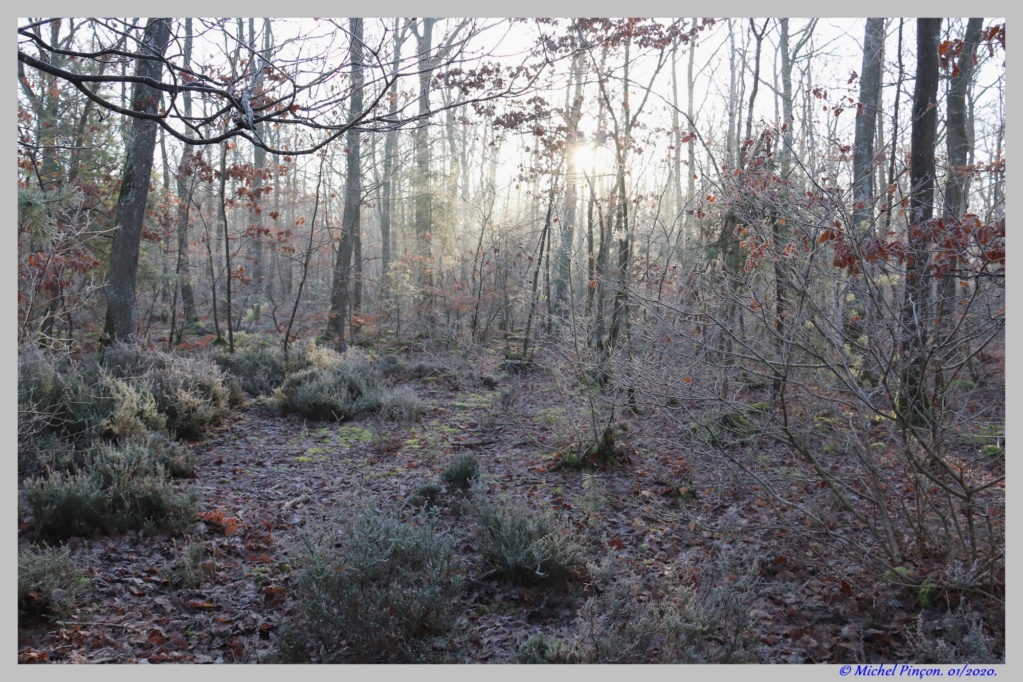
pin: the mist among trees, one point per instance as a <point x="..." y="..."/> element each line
<point x="536" y="340"/>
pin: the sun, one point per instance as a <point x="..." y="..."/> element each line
<point x="584" y="157"/>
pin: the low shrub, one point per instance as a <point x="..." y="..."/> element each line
<point x="46" y="452"/>
<point x="525" y="548"/>
<point x="51" y="394"/>
<point x="189" y="569"/>
<point x="391" y="365"/>
<point x="370" y="588"/>
<point x="543" y="649"/>
<point x="115" y="487"/>
<point x="624" y="623"/>
<point x="400" y="404"/>
<point x="82" y="402"/>
<point x="959" y="638"/>
<point x="341" y="387"/>
<point x="508" y="397"/>
<point x="260" y="366"/>
<point x="459" y="475"/>
<point x="426" y="495"/>
<point x="177" y="459"/>
<point x="731" y="428"/>
<point x="427" y="368"/>
<point x="605" y="453"/>
<point x="328" y="394"/>
<point x="49" y="582"/>
<point x="125" y="410"/>
<point x="192" y="393"/>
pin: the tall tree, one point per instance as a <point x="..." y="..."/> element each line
<point x="573" y="113"/>
<point x="423" y="195"/>
<point x="913" y="404"/>
<point x="957" y="137"/>
<point x="958" y="145"/>
<point x="183" y="185"/>
<point x="866" y="123"/>
<point x="341" y="291"/>
<point x="390" y="154"/>
<point x="863" y="190"/>
<point x="131" y="201"/>
<point x="257" y="62"/>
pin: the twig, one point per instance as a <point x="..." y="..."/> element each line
<point x="295" y="502"/>
<point x="95" y="624"/>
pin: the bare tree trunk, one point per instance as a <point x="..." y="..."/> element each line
<point x="691" y="116"/>
<point x="866" y="123"/>
<point x="227" y="245"/>
<point x="913" y="405"/>
<point x="759" y="37"/>
<point x="305" y="260"/>
<point x="958" y="139"/>
<point x="423" y="196"/>
<point x="958" y="145"/>
<point x="183" y="185"/>
<point x="340" y="296"/>
<point x="895" y="133"/>
<point x="131" y="201"/>
<point x="390" y="152"/>
<point x="563" y="277"/>
<point x="676" y="134"/>
<point x="544" y="236"/>
<point x="733" y="104"/>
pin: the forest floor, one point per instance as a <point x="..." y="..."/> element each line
<point x="263" y="477"/>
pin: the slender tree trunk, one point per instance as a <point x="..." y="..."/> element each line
<point x="866" y="123"/>
<point x="256" y="246"/>
<point x="183" y="187"/>
<point x="957" y="182"/>
<point x="544" y="235"/>
<point x="759" y="38"/>
<point x="957" y="137"/>
<point x="788" y="118"/>
<point x="733" y="103"/>
<point x="863" y="190"/>
<point x="676" y="135"/>
<point x="390" y="153"/>
<point x="227" y="246"/>
<point x="563" y="275"/>
<point x="340" y="296"/>
<point x="305" y="260"/>
<point x="691" y="116"/>
<point x="47" y="119"/>
<point x="423" y="196"/>
<point x="131" y="201"/>
<point x="889" y="204"/>
<point x="913" y="404"/>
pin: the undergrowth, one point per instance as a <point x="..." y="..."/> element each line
<point x="49" y="582"/>
<point x="371" y="587"/>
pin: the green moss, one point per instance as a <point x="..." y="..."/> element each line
<point x="473" y="402"/>
<point x="435" y="426"/>
<point x="551" y="415"/>
<point x="824" y="424"/>
<point x="927" y="594"/>
<point x="986" y="434"/>
<point x="349" y="435"/>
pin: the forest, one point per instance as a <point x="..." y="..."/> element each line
<point x="463" y="340"/>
